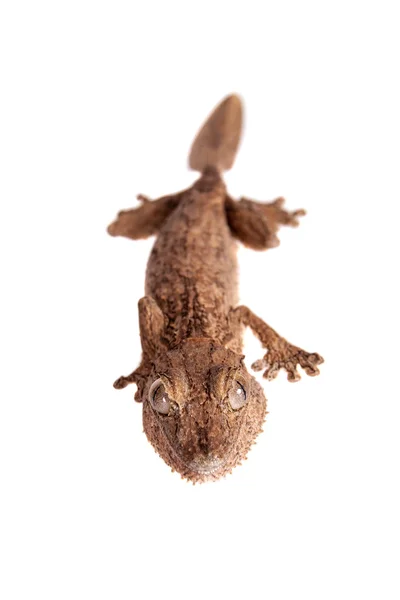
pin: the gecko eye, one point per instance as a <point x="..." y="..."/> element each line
<point x="159" y="398"/>
<point x="237" y="395"/>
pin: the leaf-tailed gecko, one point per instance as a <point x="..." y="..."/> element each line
<point x="202" y="410"/>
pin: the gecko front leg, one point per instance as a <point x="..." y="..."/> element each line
<point x="151" y="324"/>
<point x="281" y="354"/>
<point x="146" y="220"/>
<point x="256" y="224"/>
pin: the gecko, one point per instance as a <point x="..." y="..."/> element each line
<point x="202" y="409"/>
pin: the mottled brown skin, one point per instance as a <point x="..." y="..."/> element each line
<point x="202" y="410"/>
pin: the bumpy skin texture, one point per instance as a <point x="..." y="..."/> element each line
<point x="192" y="270"/>
<point x="202" y="410"/>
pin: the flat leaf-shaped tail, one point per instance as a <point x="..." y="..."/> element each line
<point x="217" y="142"/>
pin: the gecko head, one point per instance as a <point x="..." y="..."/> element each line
<point x="201" y="409"/>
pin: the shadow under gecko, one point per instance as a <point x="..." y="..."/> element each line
<point x="202" y="410"/>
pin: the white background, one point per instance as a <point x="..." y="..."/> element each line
<point x="100" y="101"/>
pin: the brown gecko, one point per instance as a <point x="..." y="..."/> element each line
<point x="202" y="410"/>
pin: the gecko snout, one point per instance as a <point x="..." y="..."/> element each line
<point x="206" y="464"/>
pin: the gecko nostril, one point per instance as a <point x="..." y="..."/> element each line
<point x="202" y="440"/>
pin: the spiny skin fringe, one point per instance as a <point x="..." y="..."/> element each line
<point x="197" y="478"/>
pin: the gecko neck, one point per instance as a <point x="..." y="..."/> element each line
<point x="209" y="180"/>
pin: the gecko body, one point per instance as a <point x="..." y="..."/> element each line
<point x="202" y="410"/>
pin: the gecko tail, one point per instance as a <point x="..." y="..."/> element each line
<point x="217" y="141"/>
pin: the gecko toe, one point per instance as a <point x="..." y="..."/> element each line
<point x="258" y="365"/>
<point x="312" y="371"/>
<point x="271" y="371"/>
<point x="120" y="383"/>
<point x="309" y="363"/>
<point x="292" y="374"/>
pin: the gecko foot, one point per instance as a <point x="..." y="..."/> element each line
<point x="276" y="214"/>
<point x="139" y="376"/>
<point x="288" y="359"/>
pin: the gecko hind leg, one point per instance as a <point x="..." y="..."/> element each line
<point x="256" y="224"/>
<point x="146" y="220"/>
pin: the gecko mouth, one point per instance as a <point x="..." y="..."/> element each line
<point x="206" y="465"/>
